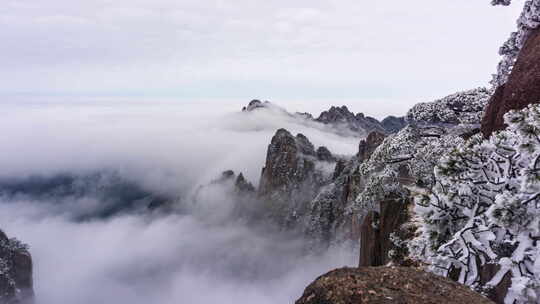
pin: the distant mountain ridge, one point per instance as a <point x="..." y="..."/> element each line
<point x="340" y="117"/>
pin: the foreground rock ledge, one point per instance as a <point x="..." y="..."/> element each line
<point x="377" y="285"/>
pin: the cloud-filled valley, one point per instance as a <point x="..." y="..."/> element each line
<point x="77" y="182"/>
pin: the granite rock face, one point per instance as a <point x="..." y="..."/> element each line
<point x="290" y="179"/>
<point x="521" y="89"/>
<point x="329" y="219"/>
<point x="16" y="283"/>
<point x="376" y="232"/>
<point x="387" y="285"/>
<point x="286" y="165"/>
<point x="367" y="146"/>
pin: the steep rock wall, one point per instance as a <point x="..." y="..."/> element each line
<point x="521" y="89"/>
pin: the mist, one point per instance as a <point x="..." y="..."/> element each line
<point x="90" y="157"/>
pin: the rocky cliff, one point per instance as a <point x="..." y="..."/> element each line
<point x="521" y="89"/>
<point x="292" y="176"/>
<point x="16" y="285"/>
<point x="368" y="193"/>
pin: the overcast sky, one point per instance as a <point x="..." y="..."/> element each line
<point x="303" y="49"/>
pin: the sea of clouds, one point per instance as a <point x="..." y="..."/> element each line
<point x="196" y="255"/>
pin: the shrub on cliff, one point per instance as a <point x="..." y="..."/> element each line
<point x="485" y="210"/>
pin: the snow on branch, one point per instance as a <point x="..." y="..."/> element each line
<point x="485" y="210"/>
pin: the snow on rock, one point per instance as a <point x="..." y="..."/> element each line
<point x="460" y="108"/>
<point x="15" y="272"/>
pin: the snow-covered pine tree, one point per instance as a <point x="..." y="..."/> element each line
<point x="485" y="209"/>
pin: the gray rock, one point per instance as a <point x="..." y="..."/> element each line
<point x="16" y="283"/>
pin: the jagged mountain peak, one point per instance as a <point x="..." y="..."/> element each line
<point x="305" y="146"/>
<point x="336" y="115"/>
<point x="340" y="118"/>
<point x="324" y="154"/>
<point x="255" y="104"/>
<point x="242" y="185"/>
<point x="359" y="122"/>
<point x="292" y="175"/>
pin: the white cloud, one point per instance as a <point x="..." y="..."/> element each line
<point x="192" y="257"/>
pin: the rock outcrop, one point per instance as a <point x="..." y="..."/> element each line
<point x="287" y="164"/>
<point x="367" y="146"/>
<point x="380" y="178"/>
<point x="16" y="285"/>
<point x="242" y="185"/>
<point x="290" y="179"/>
<point x="328" y="217"/>
<point x="521" y="89"/>
<point x="381" y="285"/>
<point x="465" y="107"/>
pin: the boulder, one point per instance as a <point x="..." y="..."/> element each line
<point x="387" y="285"/>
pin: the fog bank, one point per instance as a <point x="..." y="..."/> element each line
<point x="191" y="254"/>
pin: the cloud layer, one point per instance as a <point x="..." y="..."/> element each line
<point x="199" y="255"/>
